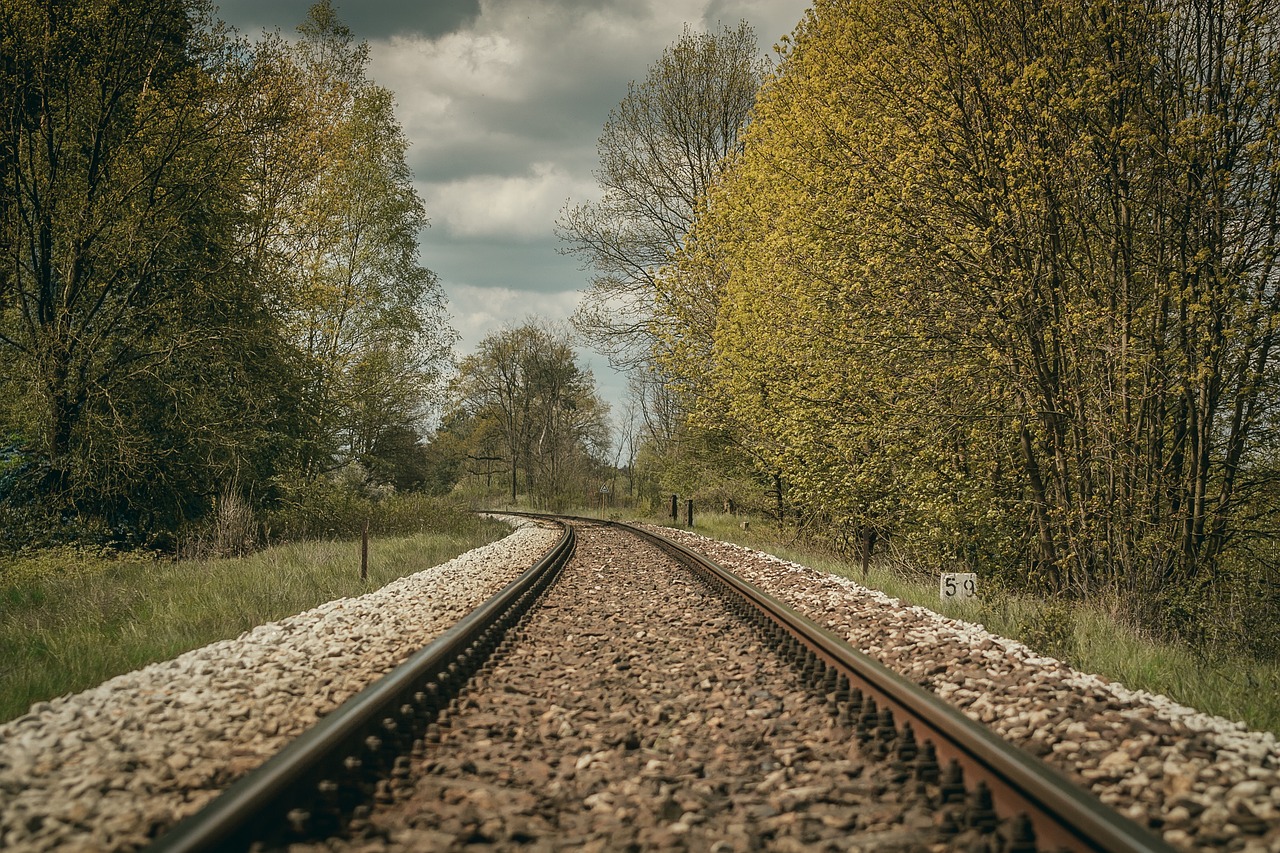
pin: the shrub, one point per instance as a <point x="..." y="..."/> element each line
<point x="62" y="562"/>
<point x="231" y="530"/>
<point x="338" y="508"/>
<point x="1050" y="630"/>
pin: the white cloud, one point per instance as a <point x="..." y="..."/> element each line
<point x="480" y="311"/>
<point x="428" y="75"/>
<point x="522" y="207"/>
<point x="525" y="78"/>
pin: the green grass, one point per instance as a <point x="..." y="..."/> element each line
<point x="70" y="620"/>
<point x="1091" y="638"/>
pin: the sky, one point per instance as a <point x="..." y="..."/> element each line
<point x="503" y="102"/>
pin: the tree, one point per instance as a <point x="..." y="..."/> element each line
<point x="660" y="152"/>
<point x="120" y="158"/>
<point x="335" y="225"/>
<point x="523" y="396"/>
<point x="208" y="265"/>
<point x="999" y="281"/>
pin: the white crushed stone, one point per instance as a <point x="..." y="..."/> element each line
<point x="107" y="768"/>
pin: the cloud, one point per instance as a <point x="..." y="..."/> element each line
<point x="769" y="18"/>
<point x="368" y="20"/>
<point x="520" y="207"/>
<point x="480" y="311"/>
<point x="528" y="83"/>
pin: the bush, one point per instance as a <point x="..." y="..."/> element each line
<point x="1050" y="630"/>
<point x="63" y="562"/>
<point x="231" y="530"/>
<point x="1236" y="607"/>
<point x="338" y="508"/>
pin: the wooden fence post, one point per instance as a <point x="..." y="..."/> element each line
<point x="364" y="552"/>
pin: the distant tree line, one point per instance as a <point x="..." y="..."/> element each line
<point x="209" y="279"/>
<point x="525" y="422"/>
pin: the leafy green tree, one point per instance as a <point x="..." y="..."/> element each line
<point x="335" y="220"/>
<point x="120" y="157"/>
<point x="523" y="396"/>
<point x="660" y="152"/>
<point x="468" y="452"/>
<point x="208" y="265"/>
<point x="399" y="457"/>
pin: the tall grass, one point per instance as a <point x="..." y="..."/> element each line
<point x="71" y="619"/>
<point x="1093" y="638"/>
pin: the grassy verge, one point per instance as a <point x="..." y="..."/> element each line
<point x="70" y="620"/>
<point x="1090" y="638"/>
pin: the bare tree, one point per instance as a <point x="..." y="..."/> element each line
<point x="660" y="151"/>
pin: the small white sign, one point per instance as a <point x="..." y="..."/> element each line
<point x="958" y="585"/>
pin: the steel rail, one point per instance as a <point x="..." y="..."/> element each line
<point x="1062" y="813"/>
<point x="309" y="787"/>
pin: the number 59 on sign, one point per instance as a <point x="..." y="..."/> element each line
<point x="958" y="585"/>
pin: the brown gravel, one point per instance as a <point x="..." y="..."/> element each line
<point x="634" y="714"/>
<point x="1203" y="782"/>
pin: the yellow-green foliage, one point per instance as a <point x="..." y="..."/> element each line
<point x="816" y="353"/>
<point x="983" y="285"/>
<point x="63" y="563"/>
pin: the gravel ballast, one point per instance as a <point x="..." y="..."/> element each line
<point x="1203" y="782"/>
<point x="637" y="712"/>
<point x="105" y="769"/>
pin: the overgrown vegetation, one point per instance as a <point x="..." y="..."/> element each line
<point x="72" y="617"/>
<point x="1102" y="637"/>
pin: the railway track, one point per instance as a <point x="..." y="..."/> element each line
<point x="641" y="708"/>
